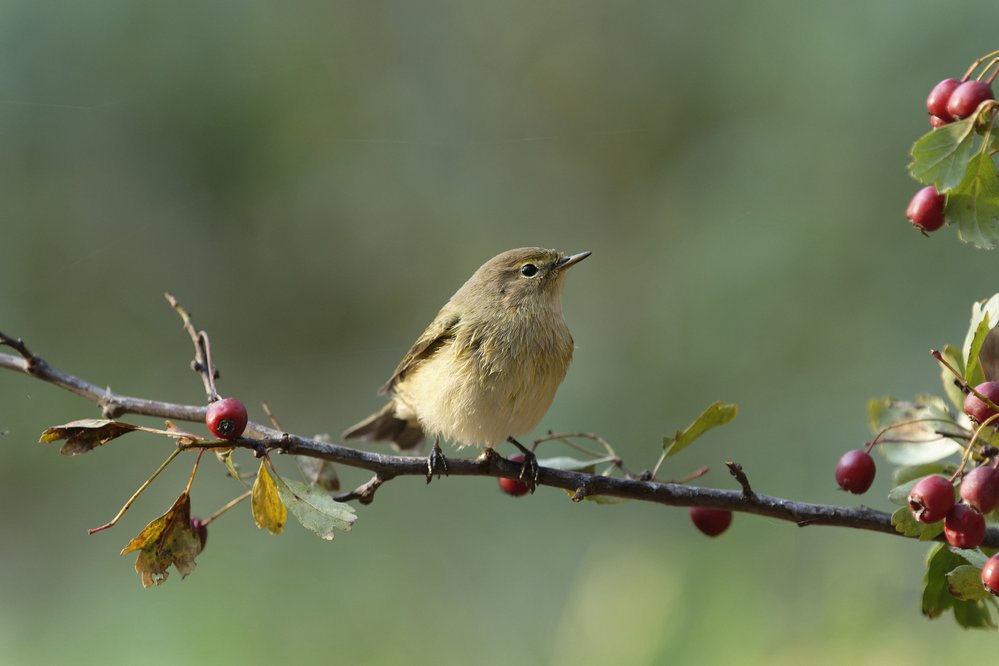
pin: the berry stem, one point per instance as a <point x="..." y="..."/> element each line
<point x="968" y="388"/>
<point x="135" y="495"/>
<point x="971" y="444"/>
<point x="975" y="64"/>
<point x="225" y="507"/>
<point x="194" y="470"/>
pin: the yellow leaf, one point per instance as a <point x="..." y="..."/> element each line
<point x="265" y="502"/>
<point x="167" y="540"/>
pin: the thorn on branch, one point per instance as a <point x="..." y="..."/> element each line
<point x="580" y="494"/>
<point x="736" y="470"/>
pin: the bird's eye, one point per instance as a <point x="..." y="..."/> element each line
<point x="528" y="270"/>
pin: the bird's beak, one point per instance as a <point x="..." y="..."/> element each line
<point x="565" y="262"/>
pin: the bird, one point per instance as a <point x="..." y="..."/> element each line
<point x="487" y="368"/>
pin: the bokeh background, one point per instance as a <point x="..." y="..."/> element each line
<point x="313" y="180"/>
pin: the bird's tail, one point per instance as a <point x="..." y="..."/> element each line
<point x="385" y="426"/>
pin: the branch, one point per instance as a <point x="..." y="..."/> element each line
<point x="386" y="467"/>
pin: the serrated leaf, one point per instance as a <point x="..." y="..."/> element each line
<point x="268" y="510"/>
<point x="567" y="464"/>
<point x="965" y="583"/>
<point x="940" y="157"/>
<point x="316" y="509"/>
<point x="85" y="435"/>
<point x="716" y="414"/>
<point x="906" y="524"/>
<point x="166" y="540"/>
<point x="318" y="472"/>
<point x="921" y="441"/>
<point x="974" y="204"/>
<point x="952" y="389"/>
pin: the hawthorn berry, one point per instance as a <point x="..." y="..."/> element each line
<point x="978" y="409"/>
<point x="514" y="487"/>
<point x="710" y="521"/>
<point x="931" y="499"/>
<point x="980" y="488"/>
<point x="926" y="210"/>
<point x="966" y="98"/>
<point x="199" y="528"/>
<point x="937" y="121"/>
<point x="226" y="418"/>
<point x="964" y="527"/>
<point x="936" y="102"/>
<point x="990" y="575"/>
<point x="855" y="471"/>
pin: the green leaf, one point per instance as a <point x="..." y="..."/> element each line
<point x="973" y="373"/>
<point x="900" y="494"/>
<point x="965" y="583"/>
<point x="716" y="414"/>
<point x="974" y="204"/>
<point x="988" y="355"/>
<point x="316" y="509"/>
<point x="225" y="457"/>
<point x="972" y="556"/>
<point x="953" y="391"/>
<point x="973" y="615"/>
<point x="85" y="435"/>
<point x="921" y="442"/>
<point x="268" y="510"/>
<point x="940" y="157"/>
<point x="906" y="524"/>
<point x="936" y="594"/>
<point x="903" y="475"/>
<point x="988" y="307"/>
<point x="567" y="464"/>
<point x="318" y="472"/>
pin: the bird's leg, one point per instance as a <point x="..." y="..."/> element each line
<point x="436" y="462"/>
<point x="529" y="470"/>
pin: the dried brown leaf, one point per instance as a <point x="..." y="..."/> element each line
<point x="85" y="435"/>
<point x="168" y="539"/>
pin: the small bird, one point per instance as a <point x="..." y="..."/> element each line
<point x="487" y="367"/>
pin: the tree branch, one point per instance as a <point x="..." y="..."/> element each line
<point x="386" y="467"/>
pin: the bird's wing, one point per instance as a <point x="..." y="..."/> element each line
<point x="439" y="333"/>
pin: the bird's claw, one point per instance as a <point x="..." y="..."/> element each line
<point x="436" y="463"/>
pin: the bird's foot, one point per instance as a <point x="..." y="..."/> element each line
<point x="529" y="470"/>
<point x="436" y="463"/>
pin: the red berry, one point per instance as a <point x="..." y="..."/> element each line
<point x="514" y="487"/>
<point x="936" y="103"/>
<point x="200" y="529"/>
<point x="966" y="98"/>
<point x="937" y="121"/>
<point x="855" y="471"/>
<point x="926" y="210"/>
<point x="931" y="499"/>
<point x="226" y="418"/>
<point x="977" y="408"/>
<point x="710" y="521"/>
<point x="964" y="527"/>
<point x="990" y="575"/>
<point x="980" y="488"/>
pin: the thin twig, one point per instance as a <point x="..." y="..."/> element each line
<point x="736" y="470"/>
<point x="135" y="495"/>
<point x="392" y="466"/>
<point x="225" y="507"/>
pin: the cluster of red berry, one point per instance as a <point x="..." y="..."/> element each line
<point x="932" y="497"/>
<point x="950" y="100"/>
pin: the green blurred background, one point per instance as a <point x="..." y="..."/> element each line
<point x="313" y="180"/>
